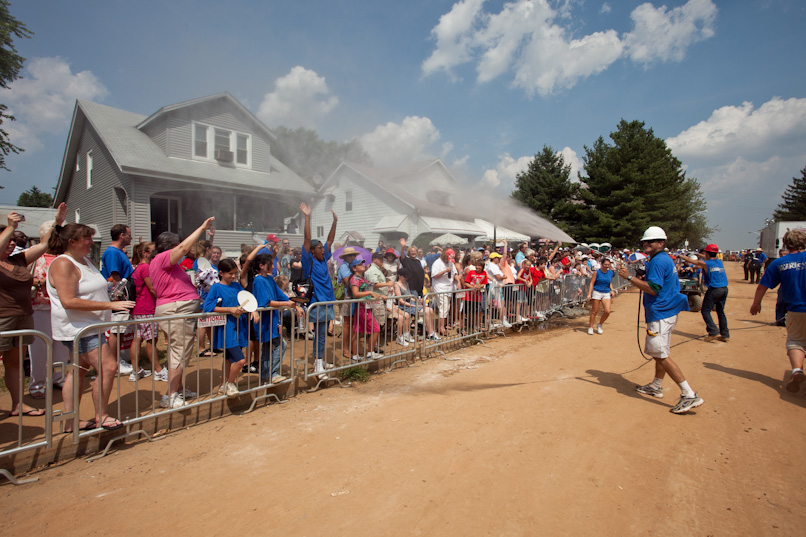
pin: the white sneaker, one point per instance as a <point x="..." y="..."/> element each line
<point x="278" y="378"/>
<point x="590" y="331"/>
<point x="599" y="329"/>
<point x="539" y="316"/>
<point x="231" y="390"/>
<point x="356" y="358"/>
<point x="161" y="376"/>
<point x="524" y="319"/>
<point x="409" y="338"/>
<point x="310" y="336"/>
<point x="337" y="322"/>
<point x="174" y="401"/>
<point x="143" y="373"/>
<point x="402" y="341"/>
<point x="125" y="367"/>
<point x="319" y="368"/>
<point x="434" y="337"/>
<point x="507" y="324"/>
<point x="190" y="394"/>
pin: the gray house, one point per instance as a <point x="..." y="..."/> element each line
<point x="171" y="170"/>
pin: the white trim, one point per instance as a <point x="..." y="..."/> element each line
<point x="210" y="141"/>
<point x="89" y="169"/>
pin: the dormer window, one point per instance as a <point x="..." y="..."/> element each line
<point x="214" y="144"/>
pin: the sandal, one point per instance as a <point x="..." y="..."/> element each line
<point x="206" y="353"/>
<point x="88" y="426"/>
<point x="37" y="393"/>
<point x="115" y="424"/>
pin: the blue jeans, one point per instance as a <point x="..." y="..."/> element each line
<point x="715" y="298"/>
<point x="271" y="357"/>
<point x="320" y="316"/>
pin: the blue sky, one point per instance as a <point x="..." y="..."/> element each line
<point x="481" y="84"/>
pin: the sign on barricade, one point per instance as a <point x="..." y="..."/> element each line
<point x="212" y="320"/>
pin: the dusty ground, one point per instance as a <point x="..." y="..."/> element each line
<point x="538" y="434"/>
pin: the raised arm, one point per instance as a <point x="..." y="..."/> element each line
<point x="402" y="246"/>
<point x="35" y="252"/>
<point x="306" y="240"/>
<point x="332" y="235"/>
<point x="245" y="268"/>
<point x="696" y="262"/>
<point x="181" y="250"/>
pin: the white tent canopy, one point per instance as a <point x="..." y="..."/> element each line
<point x="501" y="233"/>
<point x="447" y="239"/>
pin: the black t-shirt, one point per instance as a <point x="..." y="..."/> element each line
<point x="416" y="274"/>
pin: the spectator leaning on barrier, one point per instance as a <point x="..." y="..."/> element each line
<point x="16" y="312"/>
<point x="144" y="307"/>
<point x="443" y="280"/>
<point x="176" y="295"/>
<point x="790" y="273"/>
<point x="315" y="257"/>
<point x="115" y="266"/>
<point x="662" y="302"/>
<point x="267" y="323"/>
<point x="374" y="274"/>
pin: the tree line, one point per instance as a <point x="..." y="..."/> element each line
<point x="626" y="185"/>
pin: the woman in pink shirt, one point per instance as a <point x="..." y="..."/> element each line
<point x="144" y="308"/>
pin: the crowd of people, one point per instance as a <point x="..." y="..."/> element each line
<point x="400" y="292"/>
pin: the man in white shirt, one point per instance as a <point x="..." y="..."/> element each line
<point x="496" y="277"/>
<point x="443" y="275"/>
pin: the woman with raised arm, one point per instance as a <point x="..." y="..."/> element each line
<point x="16" y="311"/>
<point x="315" y="256"/>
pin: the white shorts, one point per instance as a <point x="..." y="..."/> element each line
<point x="659" y="337"/>
<point x="443" y="302"/>
<point x="596" y="295"/>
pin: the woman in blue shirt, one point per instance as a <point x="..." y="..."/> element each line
<point x="599" y="292"/>
<point x="223" y="298"/>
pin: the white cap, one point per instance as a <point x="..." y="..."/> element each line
<point x="653" y="233"/>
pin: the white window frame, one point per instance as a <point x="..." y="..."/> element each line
<point x="348" y="201"/>
<point x="233" y="144"/>
<point x="78" y="216"/>
<point x="89" y="169"/>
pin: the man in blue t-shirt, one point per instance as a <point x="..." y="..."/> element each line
<point x="715" y="278"/>
<point x="115" y="266"/>
<point x="315" y="256"/>
<point x="790" y="272"/>
<point x="662" y="302"/>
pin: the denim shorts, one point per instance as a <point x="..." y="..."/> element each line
<point x="86" y="344"/>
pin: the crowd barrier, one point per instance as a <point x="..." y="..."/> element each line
<point x="342" y="334"/>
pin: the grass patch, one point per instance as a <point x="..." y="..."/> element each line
<point x="355" y="374"/>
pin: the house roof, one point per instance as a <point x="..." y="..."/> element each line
<point x="134" y="152"/>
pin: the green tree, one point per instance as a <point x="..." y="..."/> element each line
<point x="304" y="152"/>
<point x="35" y="198"/>
<point x="10" y="66"/>
<point x="633" y="183"/>
<point x="546" y="187"/>
<point x="794" y="204"/>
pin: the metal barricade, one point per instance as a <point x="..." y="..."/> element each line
<point x="20" y="443"/>
<point x="372" y="331"/>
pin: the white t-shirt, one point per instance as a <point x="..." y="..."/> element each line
<point x="445" y="282"/>
<point x="494" y="270"/>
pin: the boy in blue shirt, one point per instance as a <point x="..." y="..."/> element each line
<point x="790" y="272"/>
<point x="715" y="278"/>
<point x="662" y="302"/>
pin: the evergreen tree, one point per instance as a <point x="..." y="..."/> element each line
<point x="10" y="66"/>
<point x="794" y="205"/>
<point x="546" y="186"/>
<point x="632" y="184"/>
<point x="35" y="198"/>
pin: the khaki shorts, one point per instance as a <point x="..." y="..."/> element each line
<point x="119" y="316"/>
<point x="796" y="331"/>
<point x="181" y="332"/>
<point x="379" y="311"/>
<point x="659" y="345"/>
<point x="17" y="322"/>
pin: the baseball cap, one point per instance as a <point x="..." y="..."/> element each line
<point x="494" y="255"/>
<point x="271" y="237"/>
<point x="712" y="248"/>
<point x="355" y="262"/>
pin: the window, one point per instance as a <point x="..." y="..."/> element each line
<point x="348" y="196"/>
<point x="78" y="217"/>
<point x="200" y="141"/>
<point x="78" y="164"/>
<point x="208" y="140"/>
<point x="89" y="168"/>
<point x="320" y="231"/>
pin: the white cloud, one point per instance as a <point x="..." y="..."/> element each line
<point x="776" y="127"/>
<point x="664" y="35"/>
<point x="570" y="157"/>
<point x="503" y="176"/>
<point x="44" y="99"/>
<point x="527" y="39"/>
<point x="409" y="141"/>
<point x="300" y="99"/>
<point x="605" y="8"/>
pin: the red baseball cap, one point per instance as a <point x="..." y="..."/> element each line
<point x="713" y="248"/>
<point x="391" y="251"/>
<point x="271" y="237"/>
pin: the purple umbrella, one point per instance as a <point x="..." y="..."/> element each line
<point x="363" y="253"/>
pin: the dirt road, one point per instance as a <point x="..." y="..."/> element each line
<point x="541" y="433"/>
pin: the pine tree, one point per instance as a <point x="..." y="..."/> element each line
<point x="10" y="66"/>
<point x="634" y="183"/>
<point x="794" y="205"/>
<point x="35" y="198"/>
<point x="546" y="186"/>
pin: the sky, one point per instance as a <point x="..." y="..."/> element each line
<point x="483" y="85"/>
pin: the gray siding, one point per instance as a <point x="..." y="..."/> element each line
<point x="157" y="130"/>
<point x="101" y="204"/>
<point x="218" y="113"/>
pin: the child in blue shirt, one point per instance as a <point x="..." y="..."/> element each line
<point x="267" y="323"/>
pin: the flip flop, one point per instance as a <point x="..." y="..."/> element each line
<point x="117" y="424"/>
<point x="32" y="412"/>
<point x="89" y="425"/>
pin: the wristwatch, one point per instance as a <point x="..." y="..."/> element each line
<point x="629" y="277"/>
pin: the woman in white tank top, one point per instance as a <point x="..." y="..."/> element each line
<point x="79" y="298"/>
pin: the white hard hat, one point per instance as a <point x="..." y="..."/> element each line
<point x="653" y="233"/>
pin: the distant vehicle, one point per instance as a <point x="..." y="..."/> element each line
<point x="772" y="236"/>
